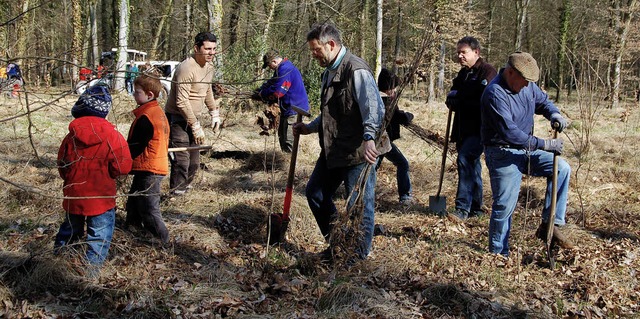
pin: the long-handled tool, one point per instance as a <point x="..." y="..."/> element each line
<point x="171" y="150"/>
<point x="279" y="222"/>
<point x="438" y="204"/>
<point x="552" y="210"/>
<point x="189" y="148"/>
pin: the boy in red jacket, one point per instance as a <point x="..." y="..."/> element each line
<point x="91" y="156"/>
<point x="148" y="141"/>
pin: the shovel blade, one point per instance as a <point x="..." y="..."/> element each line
<point x="277" y="228"/>
<point x="438" y="205"/>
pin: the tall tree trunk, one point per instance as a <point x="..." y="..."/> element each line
<point x="565" y="18"/>
<point x="267" y="26"/>
<point x="378" y="39"/>
<point x="123" y="39"/>
<point x="623" y="33"/>
<point x="364" y="23"/>
<point x="489" y="44"/>
<point x="21" y="34"/>
<point x="441" y="66"/>
<point x="188" y="44"/>
<point x="76" y="39"/>
<point x="168" y="7"/>
<point x="396" y="51"/>
<point x="234" y="17"/>
<point x="214" y="8"/>
<point x="93" y="24"/>
<point x="522" y="7"/>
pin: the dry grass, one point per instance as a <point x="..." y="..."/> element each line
<point x="421" y="266"/>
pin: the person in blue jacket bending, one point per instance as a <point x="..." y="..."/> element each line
<point x="286" y="88"/>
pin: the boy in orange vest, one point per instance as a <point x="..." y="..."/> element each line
<point x="149" y="142"/>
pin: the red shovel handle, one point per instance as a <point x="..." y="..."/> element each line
<point x="292" y="170"/>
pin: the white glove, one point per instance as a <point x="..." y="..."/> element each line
<point x="215" y="119"/>
<point x="198" y="133"/>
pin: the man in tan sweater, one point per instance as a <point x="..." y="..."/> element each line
<point x="190" y="92"/>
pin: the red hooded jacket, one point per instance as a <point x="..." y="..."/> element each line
<point x="91" y="156"/>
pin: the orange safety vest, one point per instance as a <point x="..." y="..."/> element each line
<point x="155" y="157"/>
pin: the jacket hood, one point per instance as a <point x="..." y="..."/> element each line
<point x="89" y="130"/>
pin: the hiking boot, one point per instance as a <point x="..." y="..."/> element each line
<point x="460" y="213"/>
<point x="407" y="201"/>
<point x="476" y="213"/>
<point x="326" y="256"/>
<point x="558" y="238"/>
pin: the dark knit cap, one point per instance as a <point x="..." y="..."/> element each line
<point x="95" y="101"/>
<point x="386" y="80"/>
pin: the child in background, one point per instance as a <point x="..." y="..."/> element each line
<point x="149" y="142"/>
<point x="387" y="83"/>
<point x="91" y="156"/>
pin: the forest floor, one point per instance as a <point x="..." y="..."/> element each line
<point x="422" y="266"/>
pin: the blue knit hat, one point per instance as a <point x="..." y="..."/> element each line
<point x="95" y="101"/>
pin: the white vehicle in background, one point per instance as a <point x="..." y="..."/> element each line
<point x="166" y="70"/>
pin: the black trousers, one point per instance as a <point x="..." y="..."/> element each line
<point x="184" y="165"/>
<point x="143" y="208"/>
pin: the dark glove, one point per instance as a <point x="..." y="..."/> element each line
<point x="452" y="100"/>
<point x="553" y="145"/>
<point x="256" y="96"/>
<point x="409" y="118"/>
<point x="558" y="122"/>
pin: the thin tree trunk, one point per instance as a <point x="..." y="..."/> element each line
<point x="156" y="38"/>
<point x="21" y="36"/>
<point x="441" y="66"/>
<point x="396" y="51"/>
<point x="214" y="8"/>
<point x="364" y="22"/>
<point x="522" y="6"/>
<point x="565" y="18"/>
<point x="123" y="38"/>
<point x="234" y="17"/>
<point x="625" y="25"/>
<point x="263" y="40"/>
<point x="76" y="40"/>
<point x="489" y="44"/>
<point x="378" y="39"/>
<point x="95" y="49"/>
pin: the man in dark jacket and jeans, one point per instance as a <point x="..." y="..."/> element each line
<point x="350" y="121"/>
<point x="287" y="89"/>
<point x="464" y="100"/>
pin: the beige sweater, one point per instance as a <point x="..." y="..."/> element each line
<point x="190" y="90"/>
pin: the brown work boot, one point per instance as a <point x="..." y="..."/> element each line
<point x="558" y="238"/>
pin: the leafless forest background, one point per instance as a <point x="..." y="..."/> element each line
<point x="423" y="266"/>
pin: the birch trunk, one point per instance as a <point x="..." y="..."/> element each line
<point x="123" y="34"/>
<point x="378" y="67"/>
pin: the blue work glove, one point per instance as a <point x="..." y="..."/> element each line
<point x="553" y="145"/>
<point x="452" y="100"/>
<point x="558" y="122"/>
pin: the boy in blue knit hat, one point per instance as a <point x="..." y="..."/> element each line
<point x="91" y="156"/>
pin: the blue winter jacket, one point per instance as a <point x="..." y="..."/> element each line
<point x="287" y="88"/>
<point x="507" y="117"/>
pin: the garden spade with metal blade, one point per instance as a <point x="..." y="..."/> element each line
<point x="438" y="204"/>
<point x="279" y="222"/>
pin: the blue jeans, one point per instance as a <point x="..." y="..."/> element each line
<point x="506" y="166"/>
<point x="469" y="195"/>
<point x="402" y="171"/>
<point x="99" y="234"/>
<point x="321" y="188"/>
